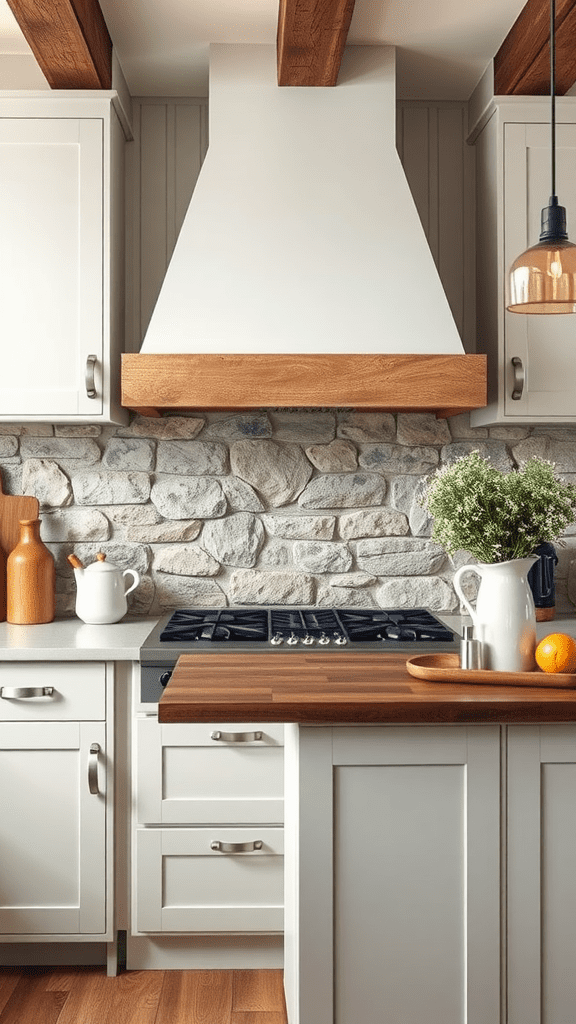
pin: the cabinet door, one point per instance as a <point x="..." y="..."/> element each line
<point x="185" y="776"/>
<point x="545" y="344"/>
<point x="51" y="264"/>
<point x="541" y="874"/>
<point x="186" y="884"/>
<point x="52" y="829"/>
<point x="396" y="915"/>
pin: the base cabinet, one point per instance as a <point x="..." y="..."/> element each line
<point x="55" y="803"/>
<point x="208" y="836"/>
<point x="430" y="874"/>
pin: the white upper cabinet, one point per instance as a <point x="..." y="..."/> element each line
<point x="530" y="358"/>
<point x="61" y="256"/>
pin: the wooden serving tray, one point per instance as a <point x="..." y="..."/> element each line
<point x="445" y="668"/>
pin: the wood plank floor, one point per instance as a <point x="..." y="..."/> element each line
<point x="85" y="995"/>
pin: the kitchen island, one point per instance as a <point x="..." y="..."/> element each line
<point x="430" y="836"/>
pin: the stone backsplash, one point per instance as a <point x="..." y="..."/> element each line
<point x="283" y="506"/>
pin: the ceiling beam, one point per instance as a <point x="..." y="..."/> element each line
<point x="311" y="40"/>
<point x="522" y="64"/>
<point x="69" y="39"/>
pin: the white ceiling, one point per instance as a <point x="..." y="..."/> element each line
<point x="443" y="45"/>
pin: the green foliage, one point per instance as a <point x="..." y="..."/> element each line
<point x="498" y="516"/>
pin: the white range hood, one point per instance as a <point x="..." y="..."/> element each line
<point x="301" y="240"/>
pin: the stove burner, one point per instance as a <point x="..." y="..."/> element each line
<point x="219" y="625"/>
<point x="411" y="625"/>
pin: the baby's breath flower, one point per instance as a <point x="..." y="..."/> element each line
<point x="498" y="516"/>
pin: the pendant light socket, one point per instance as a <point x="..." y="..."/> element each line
<point x="553" y="222"/>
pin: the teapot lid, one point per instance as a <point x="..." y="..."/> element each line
<point x="101" y="565"/>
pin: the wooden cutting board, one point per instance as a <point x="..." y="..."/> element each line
<point x="13" y="508"/>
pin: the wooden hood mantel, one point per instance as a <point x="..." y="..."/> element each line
<point x="443" y="384"/>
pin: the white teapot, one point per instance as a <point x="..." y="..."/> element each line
<point x="101" y="591"/>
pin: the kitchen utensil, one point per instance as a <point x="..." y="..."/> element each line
<point x="504" y="617"/>
<point x="101" y="591"/>
<point x="445" y="668"/>
<point x="30" y="578"/>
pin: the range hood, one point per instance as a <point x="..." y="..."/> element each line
<point x="302" y="275"/>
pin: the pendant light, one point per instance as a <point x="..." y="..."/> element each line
<point x="543" y="279"/>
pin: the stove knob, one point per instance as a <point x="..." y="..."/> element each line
<point x="308" y="640"/>
<point x="340" y="640"/>
<point x="292" y="640"/>
<point x="277" y="639"/>
<point x="165" y="678"/>
<point x="324" y="639"/>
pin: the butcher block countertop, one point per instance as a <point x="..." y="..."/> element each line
<point x="342" y="686"/>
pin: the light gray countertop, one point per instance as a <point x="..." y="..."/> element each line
<point x="73" y="640"/>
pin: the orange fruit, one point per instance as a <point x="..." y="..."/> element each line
<point x="556" y="653"/>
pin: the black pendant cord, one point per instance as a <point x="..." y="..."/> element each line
<point x="553" y="90"/>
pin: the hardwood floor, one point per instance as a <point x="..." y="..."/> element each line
<point x="85" y="995"/>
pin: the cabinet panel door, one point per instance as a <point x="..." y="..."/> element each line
<point x="398" y="905"/>
<point x="183" y="885"/>
<point x="541" y="874"/>
<point x="51" y="264"/>
<point x="185" y="777"/>
<point x="52" y="830"/>
<point x="545" y="343"/>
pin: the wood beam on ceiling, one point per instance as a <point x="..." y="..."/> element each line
<point x="522" y="64"/>
<point x="311" y="40"/>
<point x="69" y="39"/>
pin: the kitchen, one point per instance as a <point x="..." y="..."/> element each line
<point x="284" y="541"/>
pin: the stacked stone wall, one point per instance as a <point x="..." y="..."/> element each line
<point x="289" y="506"/>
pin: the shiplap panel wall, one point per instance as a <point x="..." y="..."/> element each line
<point x="439" y="167"/>
<point x="170" y="141"/>
<point x="164" y="160"/>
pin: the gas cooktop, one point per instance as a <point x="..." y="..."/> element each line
<point x="195" y="628"/>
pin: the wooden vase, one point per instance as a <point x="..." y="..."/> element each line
<point x="31" y="578"/>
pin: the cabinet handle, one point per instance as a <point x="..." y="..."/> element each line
<point x="519" y="379"/>
<point x="91" y="376"/>
<point x="93" y="768"/>
<point x="236" y="847"/>
<point x="235" y="737"/>
<point x="25" y="692"/>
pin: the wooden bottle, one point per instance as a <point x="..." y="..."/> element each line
<point x="31" y="578"/>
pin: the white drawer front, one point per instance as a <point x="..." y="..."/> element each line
<point x="186" y="778"/>
<point x="183" y="885"/>
<point x="78" y="691"/>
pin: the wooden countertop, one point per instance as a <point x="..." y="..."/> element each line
<point x="342" y="687"/>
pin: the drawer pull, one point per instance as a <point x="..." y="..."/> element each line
<point x="519" y="379"/>
<point x="235" y="737"/>
<point x="91" y="376"/>
<point x="236" y="847"/>
<point x="25" y="692"/>
<point x="93" y="768"/>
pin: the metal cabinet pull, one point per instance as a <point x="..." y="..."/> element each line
<point x="25" y="692"/>
<point x="91" y="376"/>
<point x="519" y="379"/>
<point x="235" y="737"/>
<point x="93" y="768"/>
<point x="236" y="847"/>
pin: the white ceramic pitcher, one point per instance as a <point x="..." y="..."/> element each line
<point x="504" y="618"/>
<point x="101" y="591"/>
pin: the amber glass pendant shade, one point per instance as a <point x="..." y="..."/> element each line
<point x="543" y="279"/>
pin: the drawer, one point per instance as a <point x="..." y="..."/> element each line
<point x="78" y="691"/>
<point x="183" y="884"/>
<point x="185" y="777"/>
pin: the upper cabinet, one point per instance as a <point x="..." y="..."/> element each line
<point x="530" y="358"/>
<point x="62" y="256"/>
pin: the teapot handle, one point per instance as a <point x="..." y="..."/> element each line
<point x="136" y="578"/>
<point x="457" y="587"/>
